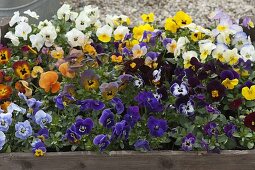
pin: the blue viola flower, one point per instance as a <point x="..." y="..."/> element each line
<point x="5" y="121"/>
<point x="117" y="103"/>
<point x="42" y="118"/>
<point x="61" y="100"/>
<point x="72" y="135"/>
<point x="23" y="130"/>
<point x="84" y="126"/>
<point x="107" y="118"/>
<point x="179" y="90"/>
<point x="42" y="134"/>
<point x="229" y="129"/>
<point x="38" y="148"/>
<point x="157" y="127"/>
<point x="185" y="106"/>
<point x="120" y="130"/>
<point x="142" y="145"/>
<point x="90" y="104"/>
<point x="101" y="141"/>
<point x="211" y="109"/>
<point x="188" y="142"/>
<point x="32" y="103"/>
<point x="2" y="139"/>
<point x="211" y="129"/>
<point x="97" y="105"/>
<point x="132" y="116"/>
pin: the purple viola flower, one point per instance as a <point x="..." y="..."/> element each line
<point x="118" y="104"/>
<point x="211" y="109"/>
<point x="38" y="148"/>
<point x="42" y="134"/>
<point x="97" y="105"/>
<point x="107" y="118"/>
<point x="166" y="42"/>
<point x="204" y="145"/>
<point x="120" y="130"/>
<point x="83" y="126"/>
<point x="211" y="129"/>
<point x="72" y="135"/>
<point x="132" y="116"/>
<point x="142" y="145"/>
<point x="32" y="103"/>
<point x="90" y="104"/>
<point x="147" y="99"/>
<point x="42" y="118"/>
<point x="216" y="90"/>
<point x="151" y="59"/>
<point x="61" y="100"/>
<point x="185" y="106"/>
<point x="229" y="129"/>
<point x="5" y="121"/>
<point x="2" y="140"/>
<point x="179" y="90"/>
<point x="157" y="127"/>
<point x="101" y="141"/>
<point x="188" y="142"/>
<point x="23" y="130"/>
<point x="247" y="22"/>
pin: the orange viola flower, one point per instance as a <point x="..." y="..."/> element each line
<point x="5" y="55"/>
<point x="21" y="69"/>
<point x="22" y="86"/>
<point x="5" y="105"/>
<point x="66" y="71"/>
<point x="116" y="58"/>
<point x="49" y="81"/>
<point x="5" y="91"/>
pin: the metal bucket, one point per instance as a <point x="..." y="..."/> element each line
<point x="44" y="8"/>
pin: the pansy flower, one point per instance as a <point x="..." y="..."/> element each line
<point x="109" y="90"/>
<point x="84" y="126"/>
<point x="42" y="134"/>
<point x="90" y="104"/>
<point x="101" y="141"/>
<point x="104" y="33"/>
<point x="132" y="116"/>
<point x="58" y="53"/>
<point x="215" y="90"/>
<point x="229" y="78"/>
<point x="49" y="81"/>
<point x="118" y="104"/>
<point x="235" y="104"/>
<point x="229" y="129"/>
<point x="72" y="135"/>
<point x="142" y="145"/>
<point x="5" y="121"/>
<point x="157" y="127"/>
<point x="182" y="19"/>
<point x="133" y="65"/>
<point x="185" y="106"/>
<point x="179" y="89"/>
<point x="42" y="118"/>
<point x="5" y="91"/>
<point x="211" y="129"/>
<point x="171" y="25"/>
<point x="23" y="130"/>
<point x="38" y="148"/>
<point x="66" y="71"/>
<point x="151" y="60"/>
<point x="188" y="142"/>
<point x="148" y="17"/>
<point x="248" y="91"/>
<point x="107" y="118"/>
<point x="63" y="99"/>
<point x="139" y="50"/>
<point x="231" y="56"/>
<point x="5" y="54"/>
<point x="249" y="121"/>
<point x="117" y="58"/>
<point x="169" y="44"/>
<point x="37" y="70"/>
<point x="21" y="69"/>
<point x="120" y="130"/>
<point x="2" y="140"/>
<point x="23" y="87"/>
<point x="124" y="80"/>
<point x="89" y="80"/>
<point x="247" y="22"/>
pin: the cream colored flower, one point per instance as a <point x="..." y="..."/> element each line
<point x="120" y="32"/>
<point x="22" y="30"/>
<point x="104" y="33"/>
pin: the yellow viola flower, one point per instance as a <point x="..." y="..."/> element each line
<point x="5" y="55"/>
<point x="249" y="93"/>
<point x="196" y="36"/>
<point x="89" y="80"/>
<point x="104" y="33"/>
<point x="148" y="17"/>
<point x="58" y="53"/>
<point x="170" y="25"/>
<point x="21" y="69"/>
<point x="116" y="58"/>
<point x="39" y="152"/>
<point x="231" y="56"/>
<point x="120" y="33"/>
<point x="131" y="44"/>
<point x="139" y="30"/>
<point x="36" y="70"/>
<point x="218" y="52"/>
<point x="87" y="48"/>
<point x="109" y="90"/>
<point x="205" y="48"/>
<point x="230" y="84"/>
<point x="182" y="19"/>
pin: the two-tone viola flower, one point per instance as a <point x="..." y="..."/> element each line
<point x="248" y="90"/>
<point x="229" y="78"/>
<point x="90" y="80"/>
<point x="21" y="69"/>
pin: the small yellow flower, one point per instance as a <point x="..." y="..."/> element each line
<point x="58" y="53"/>
<point x="39" y="152"/>
<point x="170" y="25"/>
<point x="148" y="17"/>
<point x="230" y="84"/>
<point x="130" y="44"/>
<point x="231" y="56"/>
<point x="36" y="70"/>
<point x="196" y="36"/>
<point x="249" y="93"/>
<point x="116" y="59"/>
<point x="139" y="30"/>
<point x="182" y="19"/>
<point x="104" y="33"/>
<point x="87" y="48"/>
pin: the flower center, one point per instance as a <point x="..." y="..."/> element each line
<point x="215" y="93"/>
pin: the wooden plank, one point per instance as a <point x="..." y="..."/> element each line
<point x="4" y="26"/>
<point x="123" y="160"/>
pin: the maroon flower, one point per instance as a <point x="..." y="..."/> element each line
<point x="235" y="104"/>
<point x="249" y="121"/>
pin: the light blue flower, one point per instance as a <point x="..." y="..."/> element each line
<point x="2" y="139"/>
<point x="42" y="118"/>
<point x="23" y="130"/>
<point x="5" y="121"/>
<point x="14" y="107"/>
<point x="240" y="39"/>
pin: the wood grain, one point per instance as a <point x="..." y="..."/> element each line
<point x="4" y="26"/>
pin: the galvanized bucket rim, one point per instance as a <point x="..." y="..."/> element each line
<point x="22" y="6"/>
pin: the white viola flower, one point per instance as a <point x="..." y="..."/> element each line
<point x="169" y="44"/>
<point x="32" y="14"/>
<point x="109" y="20"/>
<point x="240" y="39"/>
<point x="180" y="46"/>
<point x="187" y="108"/>
<point x="64" y="12"/>
<point x="73" y="15"/>
<point x="14" y="39"/>
<point x="231" y="56"/>
<point x="179" y="90"/>
<point x="37" y="41"/>
<point x="205" y="48"/>
<point x="138" y="83"/>
<point x="22" y="30"/>
<point x="187" y="56"/>
<point x="75" y="37"/>
<point x="248" y="53"/>
<point x="139" y="51"/>
<point x="82" y="21"/>
<point x="44" y="23"/>
<point x="49" y="35"/>
<point x="115" y="20"/>
<point x="104" y="33"/>
<point x="218" y="52"/>
<point x="92" y="13"/>
<point x="98" y="24"/>
<point x="156" y="76"/>
<point x="15" y="19"/>
<point x="120" y="32"/>
<point x="197" y="28"/>
<point x="224" y="38"/>
<point x="157" y="96"/>
<point x="14" y="107"/>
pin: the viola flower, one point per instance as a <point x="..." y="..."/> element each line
<point x="104" y="33"/>
<point x="63" y="99"/>
<point x="229" y="78"/>
<point x="171" y="25"/>
<point x="179" y="90"/>
<point x="22" y="30"/>
<point x="23" y="130"/>
<point x="249" y="121"/>
<point x="139" y="51"/>
<point x="42" y="118"/>
<point x="205" y="49"/>
<point x="124" y="80"/>
<point x="169" y="44"/>
<point x="49" y="35"/>
<point x="120" y="32"/>
<point x="120" y="130"/>
<point x="151" y="60"/>
<point x="75" y="37"/>
<point x="248" y="52"/>
<point x="133" y="65"/>
<point x="139" y="83"/>
<point x="107" y="118"/>
<point x="240" y="39"/>
<point x="229" y="129"/>
<point x="83" y="126"/>
<point x="5" y="106"/>
<point x="38" y="148"/>
<point x="157" y="127"/>
<point x="211" y="109"/>
<point x="109" y="90"/>
<point x="247" y="22"/>
<point x="36" y="70"/>
<point x="66" y="71"/>
<point x="72" y="135"/>
<point x="64" y="12"/>
<point x="42" y="134"/>
<point x="5" y="121"/>
<point x="23" y="87"/>
<point x="49" y="82"/>
<point x="188" y="142"/>
<point x="118" y="104"/>
<point x="132" y="116"/>
<point x="216" y="90"/>
<point x="21" y="69"/>
<point x="5" y="91"/>
<point x="116" y="58"/>
<point x="187" y="56"/>
<point x="235" y="104"/>
<point x="58" y="53"/>
<point x="219" y="51"/>
<point x="2" y="140"/>
<point x="211" y="129"/>
<point x="14" y="39"/>
<point x="139" y="30"/>
<point x="101" y="141"/>
<point x="142" y="145"/>
<point x="248" y="91"/>
<point x="231" y="56"/>
<point x="196" y="36"/>
<point x="37" y="41"/>
<point x="185" y="106"/>
<point x="182" y="19"/>
<point x="148" y="17"/>
<point x="89" y="80"/>
<point x="5" y="54"/>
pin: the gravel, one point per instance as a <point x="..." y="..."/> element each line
<point x="198" y="9"/>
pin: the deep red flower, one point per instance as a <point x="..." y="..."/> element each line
<point x="249" y="121"/>
<point x="235" y="104"/>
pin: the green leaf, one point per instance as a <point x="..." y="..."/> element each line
<point x="74" y="147"/>
<point x="222" y="139"/>
<point x="250" y="104"/>
<point x="250" y="145"/>
<point x="236" y="134"/>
